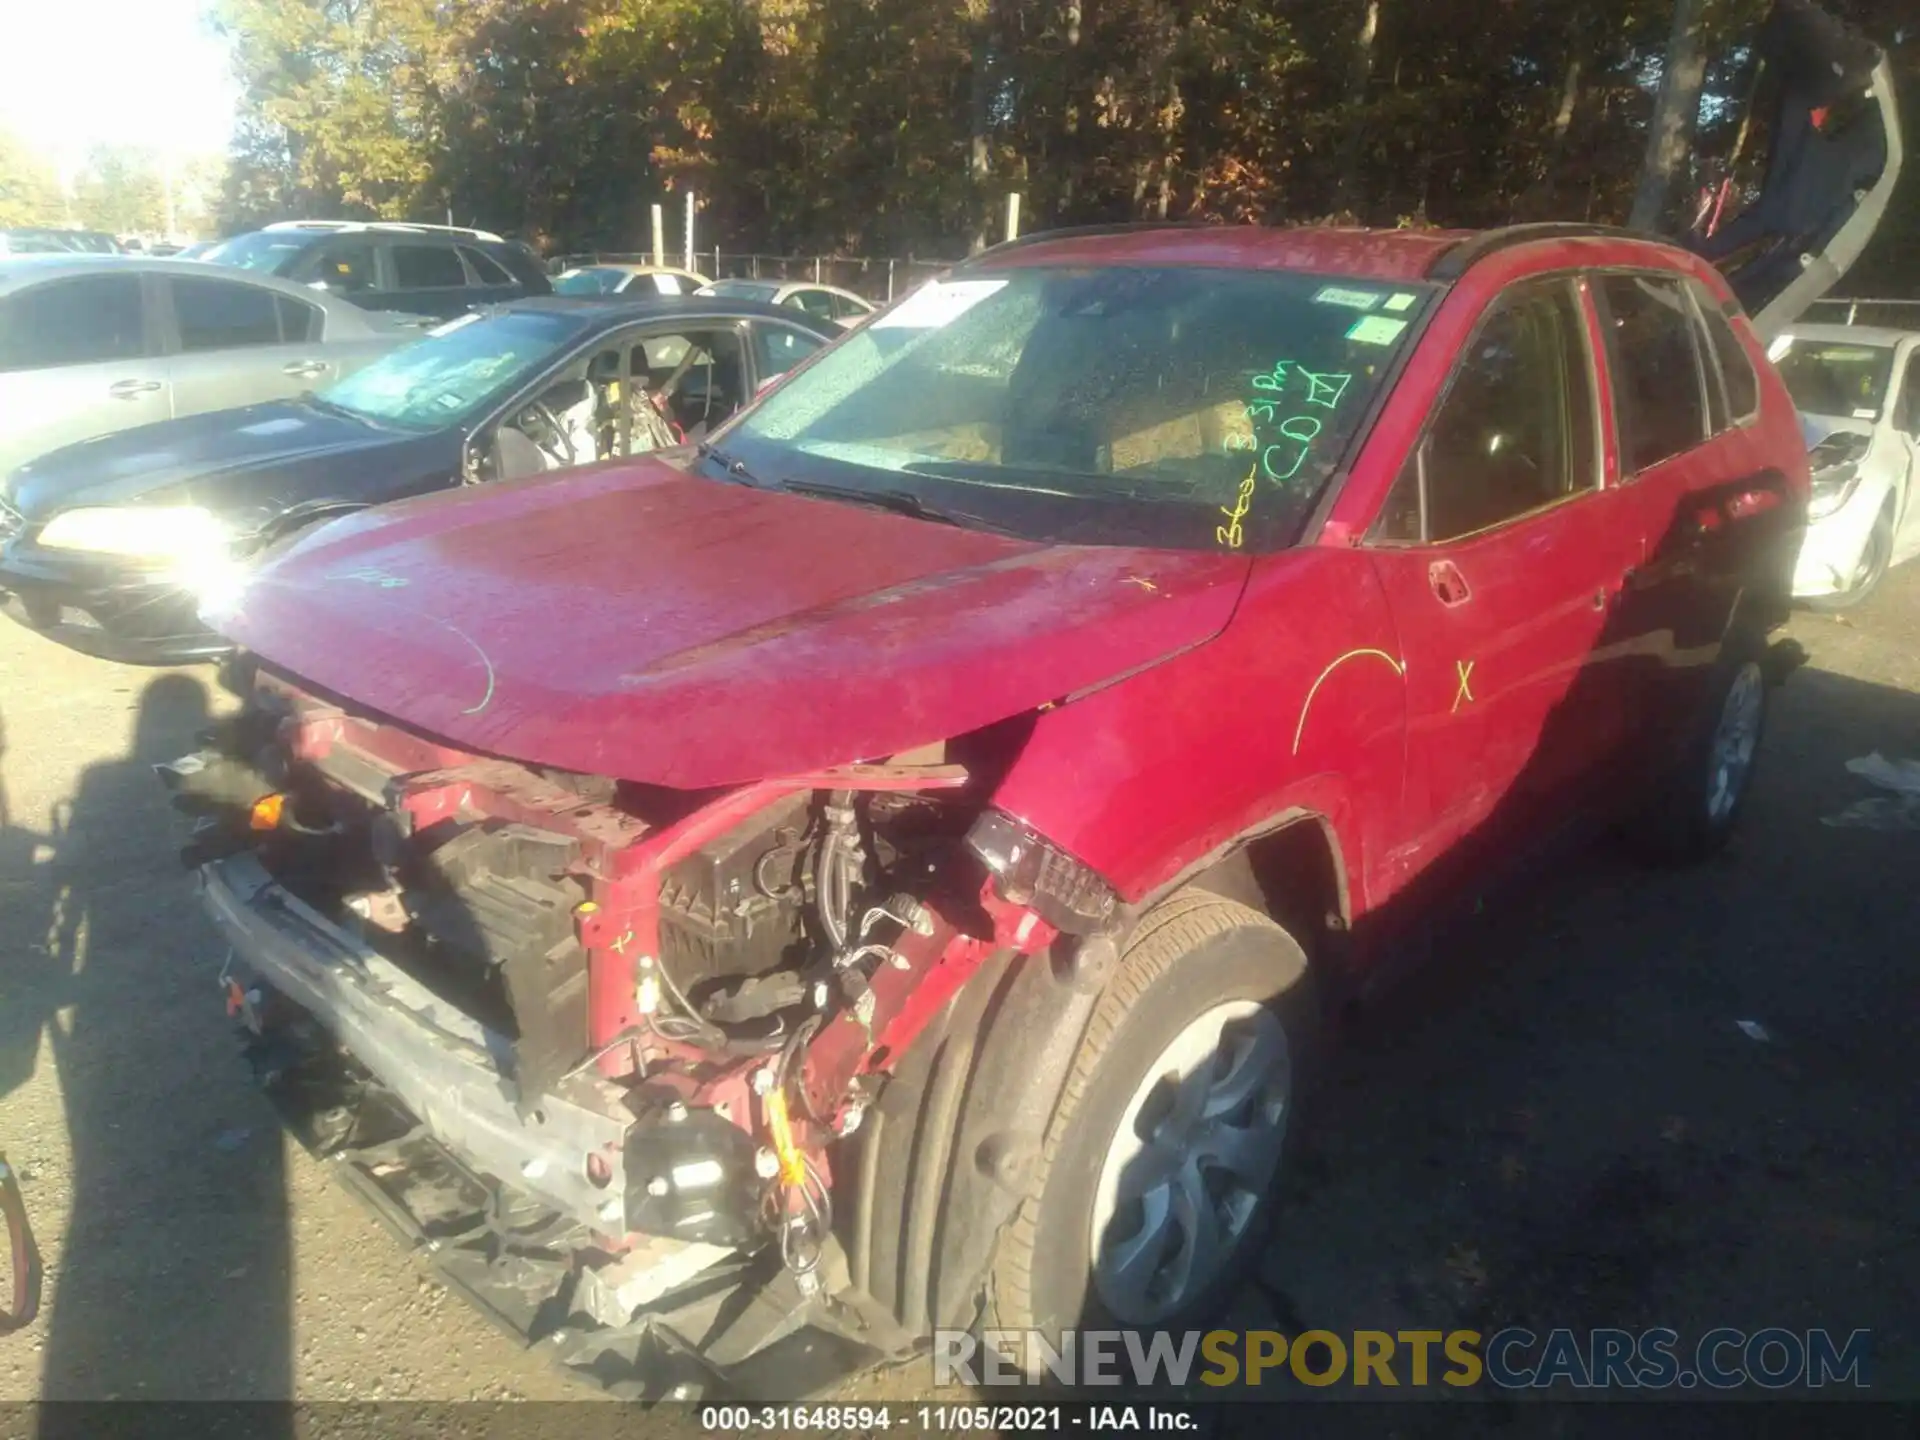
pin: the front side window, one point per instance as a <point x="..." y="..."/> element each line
<point x="427" y="267"/>
<point x="777" y="349"/>
<point x="1515" y="430"/>
<point x="219" y="315"/>
<point x="457" y="371"/>
<point x="1840" y="378"/>
<point x="1181" y="407"/>
<point x="1658" y="373"/>
<point x="72" y="322"/>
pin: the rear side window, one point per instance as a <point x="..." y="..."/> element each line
<point x="1658" y="372"/>
<point x="1742" y="385"/>
<point x="814" y="302"/>
<point x="484" y="266"/>
<point x="427" y="267"/>
<point x="72" y="322"/>
<point x="1516" y="429"/>
<point x="845" y="307"/>
<point x="218" y="315"/>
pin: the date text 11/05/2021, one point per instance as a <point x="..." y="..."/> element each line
<point x="1515" y="1358"/>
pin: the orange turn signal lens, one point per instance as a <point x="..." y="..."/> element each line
<point x="266" y="812"/>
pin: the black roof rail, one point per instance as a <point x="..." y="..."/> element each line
<point x="1455" y="262"/>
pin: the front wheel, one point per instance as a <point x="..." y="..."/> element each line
<point x="1150" y="1196"/>
<point x="1876" y="558"/>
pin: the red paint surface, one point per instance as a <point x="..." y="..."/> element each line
<point x="659" y="627"/>
<point x="639" y="622"/>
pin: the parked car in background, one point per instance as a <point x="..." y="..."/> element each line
<point x="1858" y="392"/>
<point x="435" y="270"/>
<point x="842" y="307"/>
<point x="94" y="344"/>
<point x="630" y="280"/>
<point x="114" y="542"/>
<point x="958" y="799"/>
<point x="47" y="240"/>
<point x="198" y="250"/>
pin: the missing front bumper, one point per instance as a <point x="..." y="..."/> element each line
<point x="402" y="1096"/>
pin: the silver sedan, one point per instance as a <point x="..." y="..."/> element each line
<point x="91" y="344"/>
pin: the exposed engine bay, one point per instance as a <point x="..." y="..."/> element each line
<point x="643" y="1016"/>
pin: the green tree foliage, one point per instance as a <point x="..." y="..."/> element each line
<point x="896" y="126"/>
<point x="29" y="190"/>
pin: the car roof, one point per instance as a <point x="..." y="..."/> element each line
<point x="19" y="270"/>
<point x="1851" y="334"/>
<point x="607" y="311"/>
<point x="1390" y="255"/>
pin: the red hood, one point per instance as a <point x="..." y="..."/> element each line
<point x="647" y="624"/>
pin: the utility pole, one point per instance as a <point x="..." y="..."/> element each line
<point x="689" y="246"/>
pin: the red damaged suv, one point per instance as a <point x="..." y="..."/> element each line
<point x="893" y="864"/>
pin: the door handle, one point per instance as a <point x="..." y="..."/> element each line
<point x="128" y="389"/>
<point x="1449" y="585"/>
<point x="305" y="369"/>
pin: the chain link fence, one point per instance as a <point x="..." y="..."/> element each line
<point x="878" y="280"/>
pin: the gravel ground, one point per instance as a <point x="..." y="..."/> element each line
<point x="1561" y="1123"/>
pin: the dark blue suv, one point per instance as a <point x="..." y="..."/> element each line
<point x="433" y="270"/>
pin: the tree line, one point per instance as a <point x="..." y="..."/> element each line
<point x="895" y="127"/>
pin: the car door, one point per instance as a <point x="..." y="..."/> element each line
<point x="237" y="344"/>
<point x="79" y="356"/>
<point x="426" y="277"/>
<point x="1501" y="550"/>
<point x="1685" y="401"/>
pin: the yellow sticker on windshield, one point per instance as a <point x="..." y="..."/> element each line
<point x="1376" y="330"/>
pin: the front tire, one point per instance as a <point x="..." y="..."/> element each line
<point x="1152" y="1190"/>
<point x="1876" y="558"/>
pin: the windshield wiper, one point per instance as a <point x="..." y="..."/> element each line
<point x="737" y="469"/>
<point x="898" y="502"/>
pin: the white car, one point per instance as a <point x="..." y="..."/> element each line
<point x="1858" y="393"/>
<point x="826" y="302"/>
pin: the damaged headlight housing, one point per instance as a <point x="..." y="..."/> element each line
<point x="1034" y="872"/>
<point x="1836" y="472"/>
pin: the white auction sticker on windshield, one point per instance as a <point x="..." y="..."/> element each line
<point x="1402" y="301"/>
<point x="1376" y="330"/>
<point x="936" y="304"/>
<point x="1352" y="299"/>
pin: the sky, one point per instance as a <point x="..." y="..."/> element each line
<point x="78" y="73"/>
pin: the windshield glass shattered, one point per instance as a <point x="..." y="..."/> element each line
<point x="1829" y="378"/>
<point x="456" y="370"/>
<point x="1175" y="406"/>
